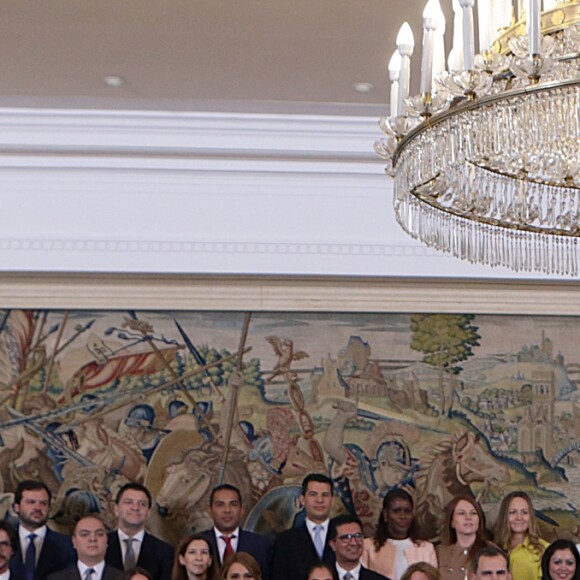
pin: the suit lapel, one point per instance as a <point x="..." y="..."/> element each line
<point x="145" y="552"/>
<point x="242" y="541"/>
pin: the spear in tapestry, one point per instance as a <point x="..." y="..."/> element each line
<point x="40" y="356"/>
<point x="198" y="358"/>
<point x="236" y="380"/>
<point x="108" y="403"/>
<point x="145" y="328"/>
<point x="55" y="350"/>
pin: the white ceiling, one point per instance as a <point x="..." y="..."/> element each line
<point x="216" y="55"/>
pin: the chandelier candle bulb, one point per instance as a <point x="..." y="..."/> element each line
<point x="468" y="42"/>
<point x="534" y="29"/>
<point x="394" y="73"/>
<point x="405" y="46"/>
<point x="484" y="24"/>
<point x="439" y="44"/>
<point x="429" y="27"/>
<point x="457" y="37"/>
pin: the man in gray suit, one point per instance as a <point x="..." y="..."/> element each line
<point x="90" y="542"/>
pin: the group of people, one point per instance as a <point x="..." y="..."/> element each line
<point x="320" y="548"/>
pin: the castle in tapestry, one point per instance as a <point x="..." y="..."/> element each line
<point x="438" y="403"/>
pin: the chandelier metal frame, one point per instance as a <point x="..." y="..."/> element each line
<point x="487" y="165"/>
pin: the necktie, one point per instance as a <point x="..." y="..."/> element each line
<point x="130" y="556"/>
<point x="229" y="548"/>
<point x="30" y="558"/>
<point x="89" y="573"/>
<point x="318" y="541"/>
<point x="348" y="576"/>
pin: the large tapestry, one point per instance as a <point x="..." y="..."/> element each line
<point x="443" y="404"/>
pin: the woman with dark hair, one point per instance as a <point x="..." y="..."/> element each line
<point x="137" y="574"/>
<point x="240" y="566"/>
<point x="516" y="531"/>
<point x="395" y="545"/>
<point x="320" y="571"/>
<point x="194" y="560"/>
<point x="561" y="561"/>
<point x="462" y="536"/>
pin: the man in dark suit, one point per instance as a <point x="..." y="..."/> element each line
<point x="346" y="540"/>
<point x="90" y="542"/>
<point x="298" y="549"/>
<point x="226" y="511"/>
<point x="42" y="551"/>
<point x="130" y="545"/>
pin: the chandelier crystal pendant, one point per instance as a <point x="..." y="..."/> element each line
<point x="486" y="159"/>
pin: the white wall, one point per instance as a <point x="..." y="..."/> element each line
<point x="166" y="192"/>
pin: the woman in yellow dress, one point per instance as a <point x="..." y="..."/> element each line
<point x="516" y="531"/>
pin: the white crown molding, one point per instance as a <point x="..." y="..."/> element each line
<point x="181" y="133"/>
<point x="202" y="193"/>
<point x="288" y="293"/>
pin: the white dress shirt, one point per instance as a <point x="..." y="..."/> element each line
<point x="235" y="536"/>
<point x="23" y="534"/>
<point x="323" y="532"/>
<point x="355" y="572"/>
<point x="98" y="568"/>
<point x="5" y="575"/>
<point x="137" y="543"/>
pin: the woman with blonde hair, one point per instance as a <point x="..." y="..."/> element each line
<point x="462" y="536"/>
<point x="240" y="566"/>
<point x="395" y="545"/>
<point x="421" y="571"/>
<point x="516" y="531"/>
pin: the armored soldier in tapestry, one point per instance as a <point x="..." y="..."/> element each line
<point x="438" y="404"/>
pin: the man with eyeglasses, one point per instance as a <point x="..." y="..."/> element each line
<point x="346" y="540"/>
<point x="90" y="542"/>
<point x="130" y="545"/>
<point x="490" y="563"/>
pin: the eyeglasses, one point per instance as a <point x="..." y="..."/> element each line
<point x="348" y="537"/>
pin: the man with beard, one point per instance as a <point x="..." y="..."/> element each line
<point x="8" y="547"/>
<point x="42" y="551"/>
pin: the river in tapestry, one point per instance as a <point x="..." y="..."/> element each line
<point x="181" y="401"/>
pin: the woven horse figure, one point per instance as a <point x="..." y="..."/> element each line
<point x="455" y="465"/>
<point x="183" y="499"/>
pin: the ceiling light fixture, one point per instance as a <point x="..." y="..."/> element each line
<point x="363" y="87"/>
<point x="114" y="81"/>
<point x="486" y="159"/>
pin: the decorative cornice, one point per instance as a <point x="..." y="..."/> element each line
<point x="288" y="293"/>
<point x="179" y="134"/>
<point x="197" y="193"/>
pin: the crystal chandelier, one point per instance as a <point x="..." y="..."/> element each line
<point x="486" y="159"/>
